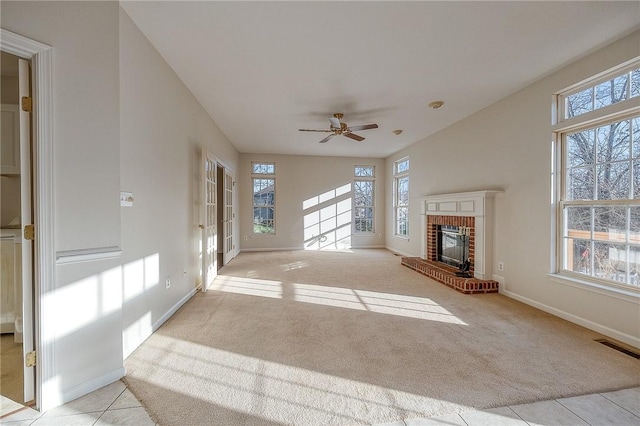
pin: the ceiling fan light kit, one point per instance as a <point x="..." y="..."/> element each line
<point x="338" y="127"/>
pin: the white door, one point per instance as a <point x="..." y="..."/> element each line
<point x="27" y="240"/>
<point x="208" y="224"/>
<point x="228" y="247"/>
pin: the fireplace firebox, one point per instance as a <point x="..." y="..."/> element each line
<point x="453" y="245"/>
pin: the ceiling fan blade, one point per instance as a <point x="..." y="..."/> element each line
<point x="364" y="127"/>
<point x="334" y="122"/>
<point x="326" y="139"/>
<point x="354" y="137"/>
<point x="313" y="130"/>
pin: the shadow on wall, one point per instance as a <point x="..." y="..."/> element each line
<point x="327" y="220"/>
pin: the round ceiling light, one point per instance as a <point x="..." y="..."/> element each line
<point x="436" y="104"/>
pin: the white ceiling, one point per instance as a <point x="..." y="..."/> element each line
<point x="262" y="70"/>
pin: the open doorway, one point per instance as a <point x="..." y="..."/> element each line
<point x="16" y="247"/>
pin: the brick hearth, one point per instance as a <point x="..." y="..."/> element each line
<point x="446" y="275"/>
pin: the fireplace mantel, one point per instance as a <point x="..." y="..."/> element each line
<point x="476" y="204"/>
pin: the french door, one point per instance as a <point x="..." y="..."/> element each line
<point x="208" y="221"/>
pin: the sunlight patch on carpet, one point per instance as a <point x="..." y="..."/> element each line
<point x="383" y="303"/>
<point x="248" y="286"/>
<point x="274" y="391"/>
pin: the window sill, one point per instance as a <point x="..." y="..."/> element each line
<point x="402" y="237"/>
<point x="627" y="294"/>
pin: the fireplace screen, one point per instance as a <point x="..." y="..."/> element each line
<point x="453" y="245"/>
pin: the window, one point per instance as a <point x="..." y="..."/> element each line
<point x="613" y="89"/>
<point x="599" y="190"/>
<point x="263" y="177"/>
<point x="401" y="197"/>
<point x="363" y="190"/>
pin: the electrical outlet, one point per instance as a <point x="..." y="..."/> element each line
<point x="500" y="266"/>
<point x="167" y="282"/>
<point x="245" y="238"/>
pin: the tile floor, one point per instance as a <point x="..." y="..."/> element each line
<point x="601" y="409"/>
<point x="110" y="405"/>
<point x="115" y="405"/>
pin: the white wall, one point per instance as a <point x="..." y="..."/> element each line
<point x="508" y="146"/>
<point x="163" y="128"/>
<point x="300" y="178"/>
<point x="122" y="120"/>
<point x="88" y="324"/>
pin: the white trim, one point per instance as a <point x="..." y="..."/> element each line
<point x="87" y="255"/>
<point x="614" y="334"/>
<point x="249" y="250"/>
<point x="91" y="385"/>
<point x="156" y="325"/>
<point x="41" y="57"/>
<point x="401" y="253"/>
<point x="368" y="247"/>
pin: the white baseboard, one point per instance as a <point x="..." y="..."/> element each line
<point x="173" y="310"/>
<point x="614" y="334"/>
<point x="248" y="250"/>
<point x="91" y="385"/>
<point x="399" y="252"/>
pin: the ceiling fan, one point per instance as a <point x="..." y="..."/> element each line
<point x="338" y="127"/>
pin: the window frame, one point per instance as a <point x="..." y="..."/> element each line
<point x="264" y="175"/>
<point x="591" y="83"/>
<point x="397" y="176"/>
<point x="365" y="178"/>
<point x="594" y="119"/>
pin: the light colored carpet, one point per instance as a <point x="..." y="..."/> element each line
<point x="328" y="338"/>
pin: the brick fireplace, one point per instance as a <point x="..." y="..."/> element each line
<point x="474" y="212"/>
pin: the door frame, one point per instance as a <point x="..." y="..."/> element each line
<point x="41" y="57"/>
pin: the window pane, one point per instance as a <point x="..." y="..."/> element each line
<point x="402" y="166"/>
<point x="403" y="191"/>
<point x="604" y="95"/>
<point x="636" y="179"/>
<point x="610" y="223"/>
<point x="579" y="103"/>
<point x="612" y="91"/>
<point x="634" y="224"/>
<point x="634" y="248"/>
<point x="578" y="220"/>
<point x="580" y="184"/>
<point x="635" y="82"/>
<point x="264" y="168"/>
<point x="634" y="265"/>
<point x="613" y="142"/>
<point x="613" y="181"/>
<point x="580" y="148"/>
<point x="635" y="136"/>
<point x="263" y="220"/>
<point x="610" y="261"/>
<point x="578" y="255"/>
<point x="363" y="193"/>
<point x="366" y="171"/>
